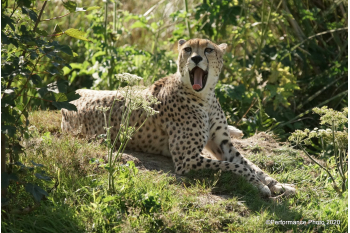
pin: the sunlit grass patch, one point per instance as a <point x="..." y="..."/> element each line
<point x="46" y="121"/>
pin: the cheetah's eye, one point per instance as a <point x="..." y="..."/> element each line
<point x="208" y="50"/>
<point x="188" y="49"/>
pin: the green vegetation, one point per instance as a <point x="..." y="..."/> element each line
<point x="334" y="143"/>
<point x="151" y="201"/>
<point x="284" y="59"/>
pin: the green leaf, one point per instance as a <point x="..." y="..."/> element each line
<point x="41" y="32"/>
<point x="8" y="40"/>
<point x="95" y="161"/>
<point x="8" y="129"/>
<point x="32" y="15"/>
<point x="72" y="96"/>
<point x="154" y="26"/>
<point x="33" y="55"/>
<point x="5" y="179"/>
<point x="139" y="24"/>
<point x="19" y="164"/>
<point x="57" y="31"/>
<point x="37" y="192"/>
<point x="66" y="49"/>
<point x="6" y="20"/>
<point x="42" y="177"/>
<point x="24" y="3"/>
<point x="5" y="39"/>
<point x="109" y="198"/>
<point x="60" y="97"/>
<point x="7" y="117"/>
<point x="56" y="87"/>
<point x="72" y="32"/>
<point x="54" y="71"/>
<point x="24" y="31"/>
<point x="36" y="79"/>
<point x="36" y="164"/>
<point x="70" y="5"/>
<point x="66" y="105"/>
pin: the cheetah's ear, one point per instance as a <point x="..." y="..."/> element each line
<point x="223" y="47"/>
<point x="181" y="42"/>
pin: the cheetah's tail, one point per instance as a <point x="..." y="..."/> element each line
<point x="234" y="132"/>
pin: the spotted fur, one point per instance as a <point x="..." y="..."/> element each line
<point x="188" y="120"/>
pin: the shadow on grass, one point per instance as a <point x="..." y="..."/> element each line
<point x="49" y="217"/>
<point x="226" y="185"/>
<point x="230" y="185"/>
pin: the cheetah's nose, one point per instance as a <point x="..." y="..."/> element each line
<point x="196" y="59"/>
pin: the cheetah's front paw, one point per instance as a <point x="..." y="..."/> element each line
<point x="278" y="188"/>
<point x="286" y="189"/>
<point x="264" y="190"/>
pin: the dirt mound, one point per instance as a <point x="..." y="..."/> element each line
<point x="259" y="142"/>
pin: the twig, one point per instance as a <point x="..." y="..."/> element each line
<point x="38" y="20"/>
<point x="58" y="34"/>
<point x="14" y="9"/>
<point x="253" y="102"/>
<point x="187" y="22"/>
<point x="58" y="17"/>
<point x="330" y="175"/>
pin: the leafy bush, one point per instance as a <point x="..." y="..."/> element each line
<point x="104" y="58"/>
<point x="287" y="54"/>
<point x="24" y="48"/>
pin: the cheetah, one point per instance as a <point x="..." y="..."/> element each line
<point x="190" y="118"/>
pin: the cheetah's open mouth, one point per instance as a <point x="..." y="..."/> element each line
<point x="198" y="78"/>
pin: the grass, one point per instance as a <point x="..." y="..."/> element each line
<point x="153" y="201"/>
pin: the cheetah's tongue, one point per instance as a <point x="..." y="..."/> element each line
<point x="198" y="75"/>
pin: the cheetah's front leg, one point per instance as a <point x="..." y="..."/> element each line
<point x="222" y="148"/>
<point x="185" y="151"/>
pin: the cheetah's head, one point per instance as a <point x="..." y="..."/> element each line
<point x="199" y="63"/>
